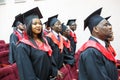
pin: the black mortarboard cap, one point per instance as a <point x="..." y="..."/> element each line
<point x="52" y="20"/>
<point x="33" y="13"/>
<point x="64" y="27"/>
<point x="93" y="20"/>
<point x="18" y="20"/>
<point x="107" y="17"/>
<point x="46" y="23"/>
<point x="70" y="21"/>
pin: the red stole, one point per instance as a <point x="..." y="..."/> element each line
<point x="73" y="35"/>
<point x="67" y="44"/>
<point x="24" y="34"/>
<point x="55" y="40"/>
<point x="109" y="54"/>
<point x="18" y="35"/>
<point x="42" y="46"/>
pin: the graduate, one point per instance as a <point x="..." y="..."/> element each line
<point x="47" y="29"/>
<point x="16" y="36"/>
<point x="33" y="53"/>
<point x="72" y="26"/>
<point x="96" y="61"/>
<point x="68" y="49"/>
<point x="55" y="40"/>
<point x="68" y="55"/>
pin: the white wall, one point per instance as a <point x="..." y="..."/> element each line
<point x="66" y="9"/>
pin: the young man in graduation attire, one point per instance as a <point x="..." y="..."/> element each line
<point x="17" y="35"/>
<point x="72" y="26"/>
<point x="55" y="40"/>
<point x="68" y="55"/>
<point x="47" y="29"/>
<point x="97" y="62"/>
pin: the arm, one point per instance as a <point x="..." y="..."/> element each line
<point x="26" y="71"/>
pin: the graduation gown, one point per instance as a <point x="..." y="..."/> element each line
<point x="68" y="53"/>
<point x="33" y="63"/>
<point x="68" y="61"/>
<point x="14" y="38"/>
<point x="57" y="55"/>
<point x="95" y="65"/>
<point x="73" y="40"/>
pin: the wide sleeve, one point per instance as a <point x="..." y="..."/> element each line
<point x="12" y="46"/>
<point x="92" y="66"/>
<point x="24" y="64"/>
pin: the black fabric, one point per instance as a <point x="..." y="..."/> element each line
<point x="12" y="47"/>
<point x="72" y="42"/>
<point x="69" y="56"/>
<point x="57" y="57"/>
<point x="33" y="64"/>
<point x="94" y="66"/>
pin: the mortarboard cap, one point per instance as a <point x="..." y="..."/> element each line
<point x="18" y="20"/>
<point x="64" y="27"/>
<point x="70" y="21"/>
<point x="52" y="20"/>
<point x="93" y="20"/>
<point x="46" y="23"/>
<point x="33" y="13"/>
<point x="107" y="17"/>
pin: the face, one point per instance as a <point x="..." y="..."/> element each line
<point x="105" y="30"/>
<point x="36" y="26"/>
<point x="21" y="26"/>
<point x="66" y="32"/>
<point x="73" y="26"/>
<point x="57" y="27"/>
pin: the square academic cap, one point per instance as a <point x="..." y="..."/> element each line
<point x="70" y="21"/>
<point x="64" y="27"/>
<point x="33" y="13"/>
<point x="18" y="20"/>
<point x="52" y="20"/>
<point x="93" y="19"/>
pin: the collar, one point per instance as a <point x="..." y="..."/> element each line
<point x="100" y="41"/>
<point x="47" y="30"/>
<point x="64" y="38"/>
<point x="19" y="30"/>
<point x="56" y="34"/>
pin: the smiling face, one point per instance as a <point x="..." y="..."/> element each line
<point x="57" y="27"/>
<point x="104" y="30"/>
<point x="36" y="26"/>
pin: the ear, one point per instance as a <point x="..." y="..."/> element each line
<point x="95" y="29"/>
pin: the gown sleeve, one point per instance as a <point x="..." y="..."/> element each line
<point x="13" y="40"/>
<point x="25" y="68"/>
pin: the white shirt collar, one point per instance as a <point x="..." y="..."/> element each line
<point x="100" y="41"/>
<point x="19" y="30"/>
<point x="56" y="34"/>
<point x="64" y="38"/>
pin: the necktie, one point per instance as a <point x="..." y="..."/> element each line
<point x="58" y="37"/>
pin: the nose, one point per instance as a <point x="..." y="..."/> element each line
<point x="110" y="27"/>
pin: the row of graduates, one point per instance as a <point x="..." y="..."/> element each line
<point x="42" y="54"/>
<point x="52" y="56"/>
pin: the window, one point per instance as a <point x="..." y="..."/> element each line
<point x="2" y="2"/>
<point x="20" y="1"/>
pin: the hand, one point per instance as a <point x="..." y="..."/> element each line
<point x="60" y="74"/>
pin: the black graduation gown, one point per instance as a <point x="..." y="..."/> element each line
<point x="73" y="43"/>
<point x="57" y="57"/>
<point x="94" y="66"/>
<point x="68" y="55"/>
<point x="12" y="46"/>
<point x="33" y="64"/>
